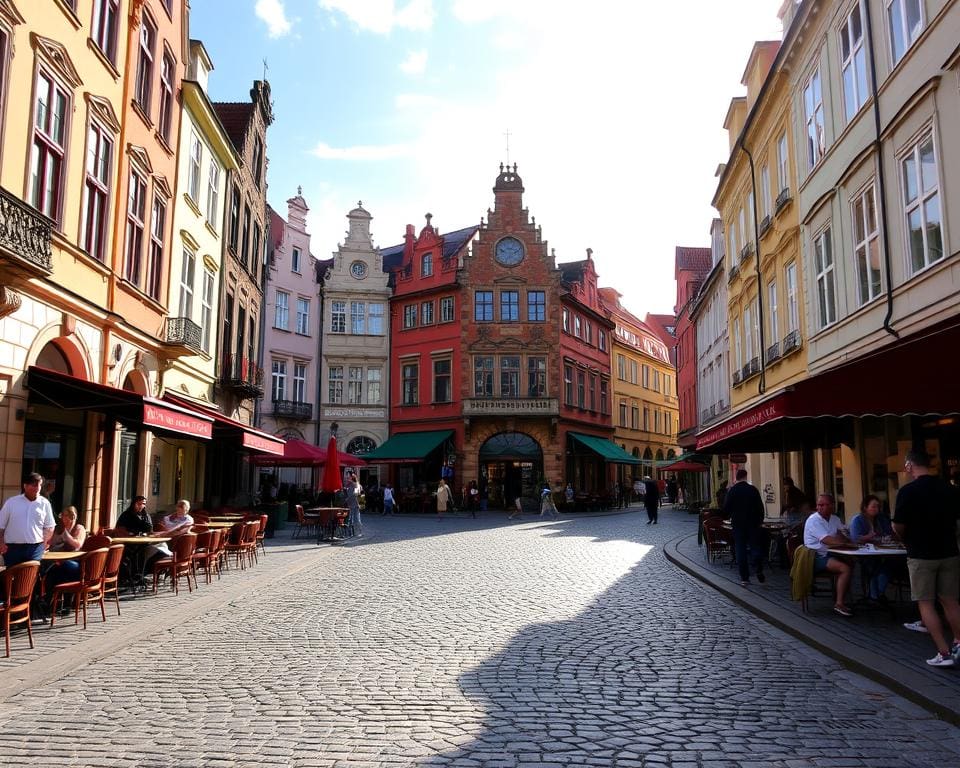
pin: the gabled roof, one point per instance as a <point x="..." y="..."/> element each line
<point x="571" y="271"/>
<point x="392" y="257"/>
<point x="699" y="260"/>
<point x="235" y="117"/>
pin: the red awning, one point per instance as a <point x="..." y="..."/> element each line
<point x="299" y="453"/>
<point x="684" y="466"/>
<point x="250" y="438"/>
<point x="72" y="393"/>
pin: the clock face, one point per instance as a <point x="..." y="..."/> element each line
<point x="509" y="251"/>
<point x="358" y="269"/>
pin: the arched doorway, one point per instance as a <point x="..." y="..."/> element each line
<point x="360" y="446"/>
<point x="511" y="465"/>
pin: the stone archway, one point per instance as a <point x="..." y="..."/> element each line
<point x="511" y="466"/>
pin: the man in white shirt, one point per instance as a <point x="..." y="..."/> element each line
<point x="822" y="531"/>
<point x="26" y="523"/>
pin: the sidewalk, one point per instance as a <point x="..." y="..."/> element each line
<point x="872" y="643"/>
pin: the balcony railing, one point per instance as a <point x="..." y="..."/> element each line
<point x="782" y="199"/>
<point x="734" y="271"/>
<point x="242" y="376"/>
<point x="773" y="352"/>
<point x="736" y="377"/>
<point x="746" y="251"/>
<point x="25" y="235"/>
<point x="791" y="342"/>
<point x="764" y="225"/>
<point x="183" y="332"/>
<point x="293" y="409"/>
<point x="754" y="365"/>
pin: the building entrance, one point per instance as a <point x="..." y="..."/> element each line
<point x="511" y="466"/>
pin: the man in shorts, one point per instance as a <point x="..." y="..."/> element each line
<point x="925" y="519"/>
<point x="821" y="531"/>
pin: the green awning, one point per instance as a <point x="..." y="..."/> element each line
<point x="606" y="449"/>
<point x="408" y="446"/>
<point x="702" y="458"/>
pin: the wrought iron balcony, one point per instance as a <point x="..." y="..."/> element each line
<point x="293" y="409"/>
<point x="764" y="225"/>
<point x="25" y="236"/>
<point x="782" y="199"/>
<point x="242" y="376"/>
<point x="746" y="251"/>
<point x="183" y="332"/>
<point x="773" y="352"/>
<point x="736" y="377"/>
<point x="791" y="342"/>
<point x="754" y="365"/>
<point x="734" y="271"/>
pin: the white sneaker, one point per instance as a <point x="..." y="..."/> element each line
<point x="940" y="661"/>
<point x="916" y="626"/>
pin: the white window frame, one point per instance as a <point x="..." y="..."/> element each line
<point x="793" y="301"/>
<point x="765" y="191"/>
<point x="299" y="382"/>
<point x="866" y="244"/>
<point x="281" y="311"/>
<point x="278" y="377"/>
<point x="853" y="65"/>
<point x="213" y="194"/>
<point x="206" y="309"/>
<point x="303" y="316"/>
<point x="187" y="271"/>
<point x="782" y="163"/>
<point x="908" y="36"/>
<point x="355" y="385"/>
<point x="335" y="385"/>
<point x="773" y="320"/>
<point x="823" y="265"/>
<point x="358" y="318"/>
<point x="196" y="163"/>
<point x="338" y="317"/>
<point x="375" y="318"/>
<point x="295" y="256"/>
<point x="374" y="378"/>
<point x="922" y="203"/>
<point x="813" y="118"/>
<point x="748" y="339"/>
<point x="738" y="348"/>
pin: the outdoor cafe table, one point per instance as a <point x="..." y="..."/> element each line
<point x="136" y="541"/>
<point x="60" y="556"/>
<point x="863" y="553"/>
<point x="224" y="519"/>
<point x="328" y="519"/>
<point x="221" y="523"/>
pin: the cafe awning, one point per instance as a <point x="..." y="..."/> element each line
<point x="408" y="446"/>
<point x="223" y="426"/>
<point x="71" y="393"/>
<point x="606" y="449"/>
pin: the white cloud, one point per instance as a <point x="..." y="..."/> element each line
<point x="414" y="100"/>
<point x="272" y="12"/>
<point x="415" y="63"/>
<point x="361" y="152"/>
<point x="381" y="16"/>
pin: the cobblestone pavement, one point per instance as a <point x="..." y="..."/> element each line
<point x="474" y="643"/>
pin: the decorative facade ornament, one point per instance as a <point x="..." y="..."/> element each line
<point x="9" y="13"/>
<point x="56" y="55"/>
<point x="103" y="110"/>
<point x="9" y="300"/>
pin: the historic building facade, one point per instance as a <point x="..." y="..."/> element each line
<point x="691" y="266"/>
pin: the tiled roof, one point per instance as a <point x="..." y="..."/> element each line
<point x="571" y="271"/>
<point x="235" y="117"/>
<point x="452" y="242"/>
<point x="694" y="259"/>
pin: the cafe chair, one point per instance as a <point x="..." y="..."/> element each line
<point x="179" y="564"/>
<point x="201" y="550"/>
<point x="236" y="545"/>
<point x="111" y="573"/>
<point x="304" y="521"/>
<point x="717" y="542"/>
<point x="206" y="557"/>
<point x="16" y="591"/>
<point x="262" y="534"/>
<point x="96" y="541"/>
<point x="88" y="588"/>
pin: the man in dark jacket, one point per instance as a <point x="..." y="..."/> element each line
<point x="651" y="499"/>
<point x="744" y="507"/>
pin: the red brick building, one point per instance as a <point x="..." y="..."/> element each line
<point x="691" y="267"/>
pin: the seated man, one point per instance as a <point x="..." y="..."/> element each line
<point x="822" y="531"/>
<point x="179" y="521"/>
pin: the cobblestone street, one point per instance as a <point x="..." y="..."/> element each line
<point x="469" y="643"/>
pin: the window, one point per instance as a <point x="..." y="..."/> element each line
<point x="483" y="306"/>
<point x="656" y="421"/>
<point x="826" y="294"/>
<point x="375" y="319"/>
<point x="737" y="348"/>
<point x="782" y="178"/>
<point x="765" y="190"/>
<point x="136" y="215"/>
<point x="278" y="389"/>
<point x="281" y="310"/>
<point x="853" y="62"/>
<point x="604" y="387"/>
<point x="921" y="204"/>
<point x="906" y="24"/>
<point x="426" y="265"/>
<point x="656" y="380"/>
<point x="566" y="320"/>
<point x="866" y="245"/>
<point x="338" y="317"/>
<point x="355" y="385"/>
<point x="165" y="115"/>
<point x="623" y="414"/>
<point x="148" y="36"/>
<point x="300" y="382"/>
<point x="257" y="257"/>
<point x="773" y="322"/>
<point x="155" y="263"/>
<point x="303" y="316"/>
<point x="373" y="386"/>
<point x="96" y="200"/>
<point x="335" y="384"/>
<point x="813" y="118"/>
<point x="196" y="161"/>
<point x="635" y="417"/>
<point x="103" y="28"/>
<point x="668" y="384"/>
<point x="621" y="367"/>
<point x="187" y="269"/>
<point x="748" y="332"/>
<point x="667" y="423"/>
<point x="206" y="309"/>
<point x="52" y="110"/>
<point x="426" y="313"/>
<point x="295" y="260"/>
<point x="483" y="377"/>
<point x="602" y="340"/>
<point x="576" y="326"/>
<point x="646" y="419"/>
<point x="536" y="306"/>
<point x="245" y="235"/>
<point x="593" y="392"/>
<point x="536" y="377"/>
<point x="410" y="316"/>
<point x="358" y="318"/>
<point x="568" y="384"/>
<point x="633" y="371"/>
<point x="509" y="306"/>
<point x="213" y="194"/>
<point x="733" y="244"/>
<point x="581" y="389"/>
<point x="645" y="371"/>
<point x="509" y="376"/>
<point x="234" y="219"/>
<point x="446" y="309"/>
<point x="411" y="383"/>
<point x="442" y="388"/>
<point x="257" y="161"/>
<point x="793" y="306"/>
<point x="750" y="227"/>
<point x="588" y="331"/>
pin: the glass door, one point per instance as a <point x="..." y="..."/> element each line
<point x="129" y="449"/>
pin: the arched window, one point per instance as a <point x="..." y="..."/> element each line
<point x="671" y="453"/>
<point x="659" y="455"/>
<point x="636" y="452"/>
<point x="361" y="445"/>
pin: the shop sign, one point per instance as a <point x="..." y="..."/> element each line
<point x="755" y="417"/>
<point x="176" y="421"/>
<point x="261" y="443"/>
<point x="525" y="406"/>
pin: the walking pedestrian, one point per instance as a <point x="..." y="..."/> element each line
<point x="518" y="507"/>
<point x="547" y="504"/>
<point x="443" y="498"/>
<point x="26" y="523"/>
<point x="352" y="491"/>
<point x="651" y="499"/>
<point x="925" y="518"/>
<point x="744" y="507"/>
<point x="388" y="500"/>
<point x="568" y="495"/>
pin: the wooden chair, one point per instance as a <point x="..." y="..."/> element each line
<point x="717" y="542"/>
<point x="199" y="528"/>
<point x="250" y="541"/>
<point x="179" y="564"/>
<point x="794" y="542"/>
<point x="111" y="574"/>
<point x="201" y="551"/>
<point x="96" y="541"/>
<point x="304" y="521"/>
<point x="88" y="588"/>
<point x="261" y="534"/>
<point x="207" y="558"/>
<point x="16" y="590"/>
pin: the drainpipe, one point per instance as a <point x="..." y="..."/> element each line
<point x="756" y="233"/>
<point x="321" y="294"/>
<point x="881" y="176"/>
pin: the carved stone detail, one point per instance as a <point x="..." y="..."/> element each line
<point x="9" y="300"/>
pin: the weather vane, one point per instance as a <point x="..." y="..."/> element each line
<point x="265" y="68"/>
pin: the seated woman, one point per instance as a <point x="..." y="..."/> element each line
<point x="870" y="527"/>
<point x="68" y="536"/>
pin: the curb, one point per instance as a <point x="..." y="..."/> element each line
<point x="940" y="700"/>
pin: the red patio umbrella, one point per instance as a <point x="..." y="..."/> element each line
<point x="684" y="466"/>
<point x="331" y="482"/>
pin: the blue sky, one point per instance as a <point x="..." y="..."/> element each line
<point x="614" y="108"/>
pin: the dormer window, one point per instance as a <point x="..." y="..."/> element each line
<point x="426" y="265"/>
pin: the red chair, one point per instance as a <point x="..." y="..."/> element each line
<point x="261" y="534"/>
<point x="207" y="556"/>
<point x="111" y="574"/>
<point x="179" y="564"/>
<point x="89" y="587"/>
<point x="16" y="590"/>
<point x="201" y="550"/>
<point x="96" y="541"/>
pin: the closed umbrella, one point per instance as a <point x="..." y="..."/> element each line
<point x="331" y="482"/>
